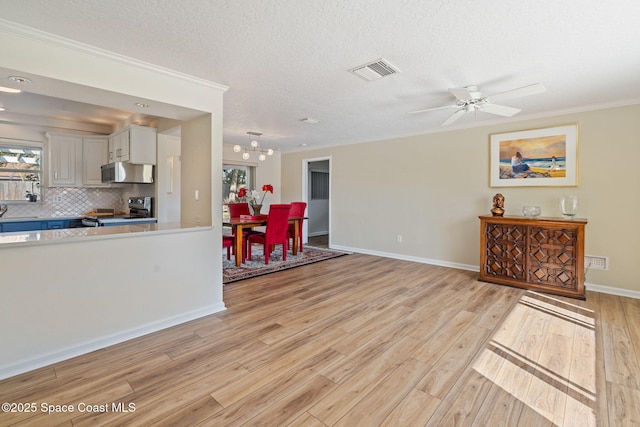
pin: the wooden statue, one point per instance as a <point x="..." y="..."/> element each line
<point x="498" y="205"/>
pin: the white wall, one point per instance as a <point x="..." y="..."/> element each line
<point x="61" y="300"/>
<point x="436" y="185"/>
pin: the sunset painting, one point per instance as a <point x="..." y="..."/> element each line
<point x="538" y="157"/>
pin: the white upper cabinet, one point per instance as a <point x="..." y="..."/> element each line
<point x="133" y="144"/>
<point x="64" y="154"/>
<point x="94" y="155"/>
<point x="75" y="160"/>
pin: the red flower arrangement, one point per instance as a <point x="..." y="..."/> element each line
<point x="252" y="196"/>
<point x="267" y="188"/>
<point x="242" y="193"/>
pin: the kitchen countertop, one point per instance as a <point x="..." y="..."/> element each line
<point x="68" y="235"/>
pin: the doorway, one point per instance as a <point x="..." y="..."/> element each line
<point x="316" y="187"/>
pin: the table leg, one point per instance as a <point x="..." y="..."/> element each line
<point x="296" y="236"/>
<point x="238" y="245"/>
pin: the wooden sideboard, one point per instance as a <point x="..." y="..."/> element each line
<point x="545" y="254"/>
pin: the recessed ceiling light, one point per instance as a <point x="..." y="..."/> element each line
<point x="18" y="79"/>
<point x="142" y="105"/>
<point x="310" y="120"/>
<point x="2" y="109"/>
<point x="9" y="89"/>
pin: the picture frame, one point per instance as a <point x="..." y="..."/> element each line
<point x="546" y="157"/>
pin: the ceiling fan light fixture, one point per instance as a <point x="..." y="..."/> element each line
<point x="470" y="99"/>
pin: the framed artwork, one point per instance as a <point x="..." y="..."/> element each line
<point x="535" y="158"/>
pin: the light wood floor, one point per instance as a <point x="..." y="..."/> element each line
<point x="362" y="341"/>
<point x="319" y="241"/>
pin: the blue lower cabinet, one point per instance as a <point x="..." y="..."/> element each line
<point x="54" y="224"/>
<point x="22" y="226"/>
<point x="51" y="224"/>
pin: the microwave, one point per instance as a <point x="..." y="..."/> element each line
<point x="127" y="173"/>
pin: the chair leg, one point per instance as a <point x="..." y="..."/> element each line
<point x="267" y="252"/>
<point x="284" y="251"/>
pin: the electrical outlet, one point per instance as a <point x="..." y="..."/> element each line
<point x="399" y="238"/>
<point x="57" y="199"/>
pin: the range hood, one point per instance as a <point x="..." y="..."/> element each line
<point x="128" y="173"/>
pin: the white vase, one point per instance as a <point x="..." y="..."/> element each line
<point x="569" y="206"/>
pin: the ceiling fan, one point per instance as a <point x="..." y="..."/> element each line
<point x="470" y="99"/>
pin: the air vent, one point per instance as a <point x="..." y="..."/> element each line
<point x="374" y="70"/>
<point x="596" y="262"/>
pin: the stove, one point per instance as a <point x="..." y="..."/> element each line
<point x="141" y="207"/>
<point x="140" y="212"/>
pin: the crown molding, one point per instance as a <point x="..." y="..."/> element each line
<point x="41" y="36"/>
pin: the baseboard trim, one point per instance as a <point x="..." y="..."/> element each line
<point x="612" y="291"/>
<point x="46" y="359"/>
<point x="589" y="286"/>
<point x="407" y="258"/>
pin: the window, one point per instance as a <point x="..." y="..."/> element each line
<point x="235" y="177"/>
<point x="20" y="170"/>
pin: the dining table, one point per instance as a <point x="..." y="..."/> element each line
<point x="238" y="225"/>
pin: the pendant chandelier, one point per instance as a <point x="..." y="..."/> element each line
<point x="254" y="146"/>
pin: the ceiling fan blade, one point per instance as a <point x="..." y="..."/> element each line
<point x="517" y="93"/>
<point x="455" y="116"/>
<point x="500" y="110"/>
<point x="462" y="93"/>
<point x="432" y="109"/>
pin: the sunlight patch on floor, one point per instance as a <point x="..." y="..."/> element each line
<point x="544" y="354"/>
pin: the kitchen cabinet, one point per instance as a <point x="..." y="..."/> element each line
<point x="64" y="160"/>
<point x="543" y="254"/>
<point x="133" y="144"/>
<point x="9" y="225"/>
<point x="95" y="153"/>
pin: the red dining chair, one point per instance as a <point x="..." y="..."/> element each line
<point x="227" y="242"/>
<point x="235" y="210"/>
<point x="297" y="211"/>
<point x="275" y="234"/>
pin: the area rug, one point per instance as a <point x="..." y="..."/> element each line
<point x="256" y="267"/>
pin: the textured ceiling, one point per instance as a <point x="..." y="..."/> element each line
<point x="285" y="60"/>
